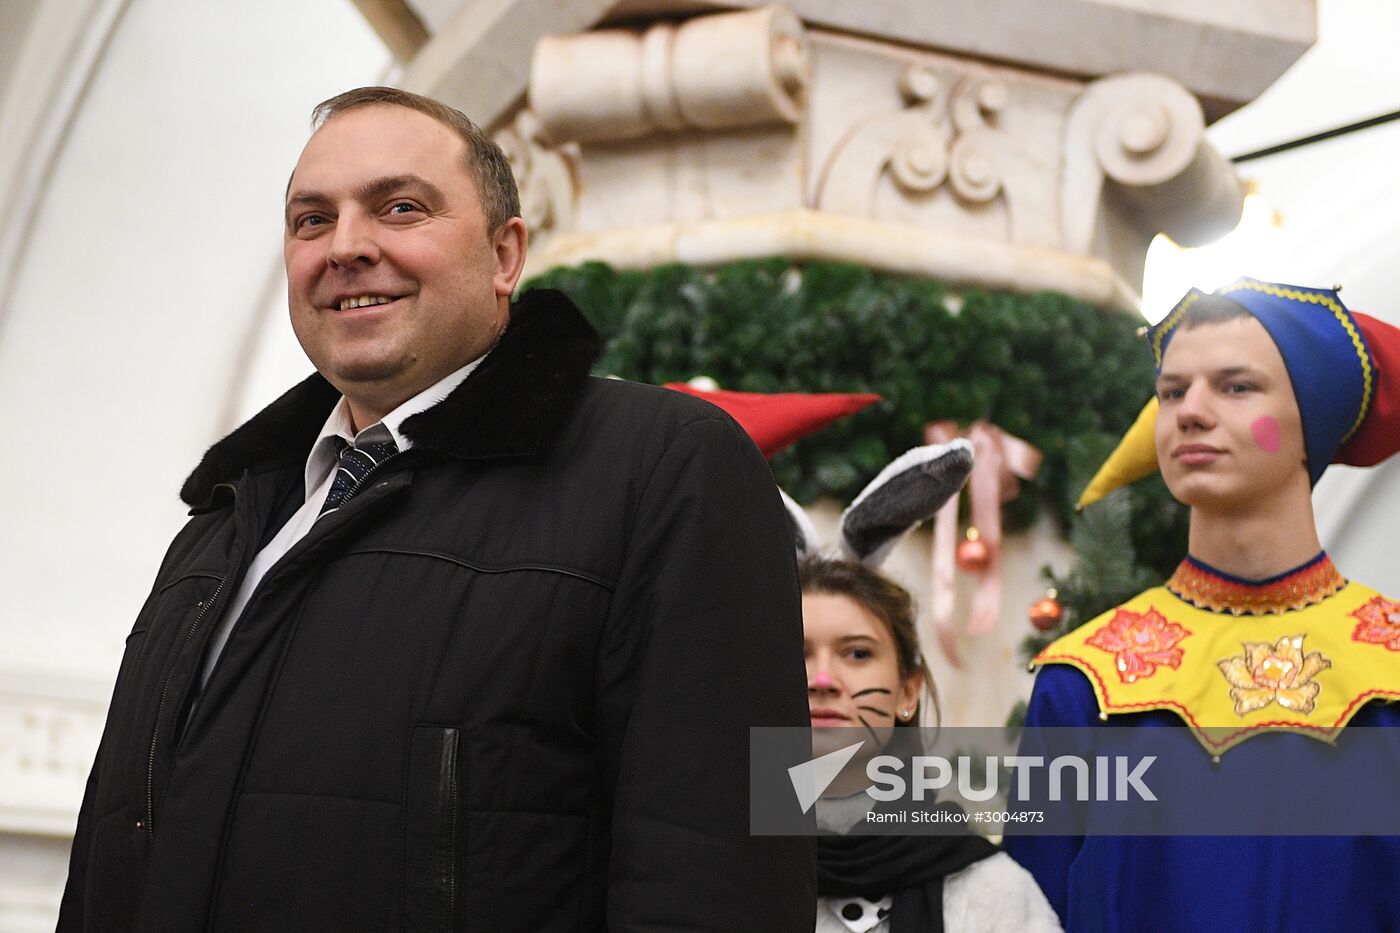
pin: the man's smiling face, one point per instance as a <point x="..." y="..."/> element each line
<point x="393" y="280"/>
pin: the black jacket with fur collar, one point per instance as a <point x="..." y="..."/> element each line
<point x="507" y="686"/>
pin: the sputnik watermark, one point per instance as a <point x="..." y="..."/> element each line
<point x="1085" y="781"/>
<point x="1115" y="777"/>
<point x="932" y="773"/>
<point x="811" y="778"/>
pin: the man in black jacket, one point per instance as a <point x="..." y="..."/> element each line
<point x="457" y="637"/>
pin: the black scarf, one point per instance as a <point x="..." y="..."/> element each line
<point x="911" y="868"/>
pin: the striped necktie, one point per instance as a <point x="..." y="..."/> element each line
<point x="356" y="463"/>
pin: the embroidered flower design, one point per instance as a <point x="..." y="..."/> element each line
<point x="1379" y="623"/>
<point x="1140" y="641"/>
<point x="1278" y="673"/>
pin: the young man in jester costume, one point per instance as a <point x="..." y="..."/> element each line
<point x="1259" y="388"/>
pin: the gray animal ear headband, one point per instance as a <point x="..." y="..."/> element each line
<point x="907" y="492"/>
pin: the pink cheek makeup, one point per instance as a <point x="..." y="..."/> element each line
<point x="1266" y="434"/>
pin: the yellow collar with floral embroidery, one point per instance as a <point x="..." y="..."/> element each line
<point x="1301" y="652"/>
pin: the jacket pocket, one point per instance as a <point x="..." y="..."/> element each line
<point x="431" y="822"/>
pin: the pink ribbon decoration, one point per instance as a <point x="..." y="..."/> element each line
<point x="1000" y="462"/>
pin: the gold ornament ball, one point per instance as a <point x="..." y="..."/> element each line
<point x="1046" y="613"/>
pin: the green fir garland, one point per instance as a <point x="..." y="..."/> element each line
<point x="1064" y="375"/>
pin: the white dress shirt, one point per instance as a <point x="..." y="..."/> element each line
<point x="319" y="475"/>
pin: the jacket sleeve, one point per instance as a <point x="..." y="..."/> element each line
<point x="1061" y="697"/>
<point x="70" y="911"/>
<point x="704" y="641"/>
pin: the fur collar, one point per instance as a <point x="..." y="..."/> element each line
<point x="511" y="405"/>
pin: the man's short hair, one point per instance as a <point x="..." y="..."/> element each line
<point x="1211" y="309"/>
<point x="486" y="162"/>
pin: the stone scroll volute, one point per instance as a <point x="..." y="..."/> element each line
<point x="1143" y="135"/>
<point x="712" y="72"/>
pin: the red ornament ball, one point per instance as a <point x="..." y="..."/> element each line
<point x="1045" y="614"/>
<point x="973" y="555"/>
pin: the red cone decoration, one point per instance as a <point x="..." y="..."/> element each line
<point x="776" y="421"/>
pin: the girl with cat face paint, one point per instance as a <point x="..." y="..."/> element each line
<point x="866" y="679"/>
<point x="864" y="668"/>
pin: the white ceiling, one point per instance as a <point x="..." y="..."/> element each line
<point x="15" y="16"/>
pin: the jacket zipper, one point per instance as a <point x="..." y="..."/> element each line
<point x="165" y="688"/>
<point x="447" y="803"/>
<point x="160" y="706"/>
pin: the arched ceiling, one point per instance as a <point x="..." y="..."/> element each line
<point x="142" y="220"/>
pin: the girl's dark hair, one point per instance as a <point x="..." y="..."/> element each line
<point x="885" y="600"/>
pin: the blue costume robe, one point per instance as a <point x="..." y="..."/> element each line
<point x="1195" y="883"/>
